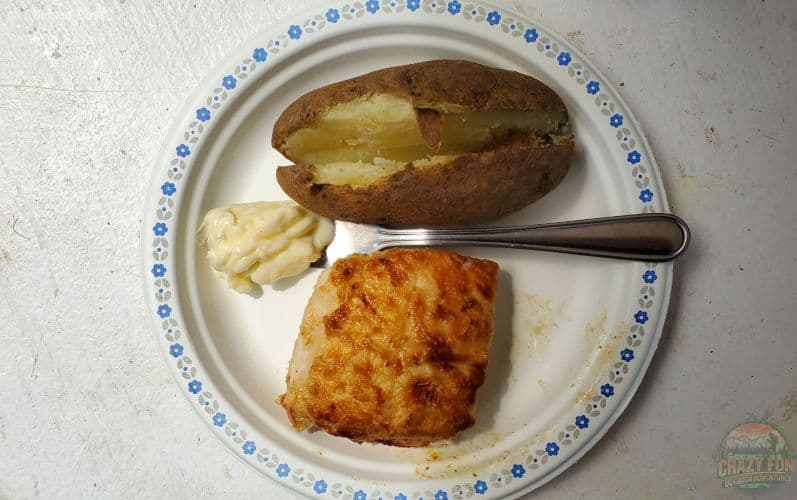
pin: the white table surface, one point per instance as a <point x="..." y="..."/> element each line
<point x="87" y="90"/>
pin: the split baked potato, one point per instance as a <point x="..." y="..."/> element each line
<point x="434" y="143"/>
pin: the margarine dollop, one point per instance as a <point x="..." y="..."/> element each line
<point x="264" y="241"/>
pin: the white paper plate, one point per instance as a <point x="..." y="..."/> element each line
<point x="573" y="335"/>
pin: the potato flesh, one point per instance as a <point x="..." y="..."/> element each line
<point x="469" y="132"/>
<point x="360" y="174"/>
<point x="360" y="141"/>
<point x="360" y="130"/>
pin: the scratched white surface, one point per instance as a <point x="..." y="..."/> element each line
<point x="87" y="90"/>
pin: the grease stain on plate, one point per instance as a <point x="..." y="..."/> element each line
<point x="606" y="343"/>
<point x="449" y="457"/>
<point x="596" y="329"/>
<point x="542" y="315"/>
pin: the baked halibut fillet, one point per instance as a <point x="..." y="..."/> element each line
<point x="393" y="346"/>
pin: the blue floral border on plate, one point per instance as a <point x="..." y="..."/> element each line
<point x="171" y="330"/>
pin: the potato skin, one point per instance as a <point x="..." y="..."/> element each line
<point x="473" y="188"/>
<point x="427" y="84"/>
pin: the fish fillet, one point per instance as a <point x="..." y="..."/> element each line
<point x="393" y="347"/>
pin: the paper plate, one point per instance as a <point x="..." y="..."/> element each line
<point x="573" y="335"/>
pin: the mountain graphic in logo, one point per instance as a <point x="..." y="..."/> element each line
<point x="755" y="455"/>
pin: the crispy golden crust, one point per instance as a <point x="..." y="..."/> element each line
<point x="428" y="85"/>
<point x="473" y="188"/>
<point x="393" y="347"/>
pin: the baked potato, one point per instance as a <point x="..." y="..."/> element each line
<point x="434" y="143"/>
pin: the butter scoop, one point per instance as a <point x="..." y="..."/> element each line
<point x="263" y="242"/>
